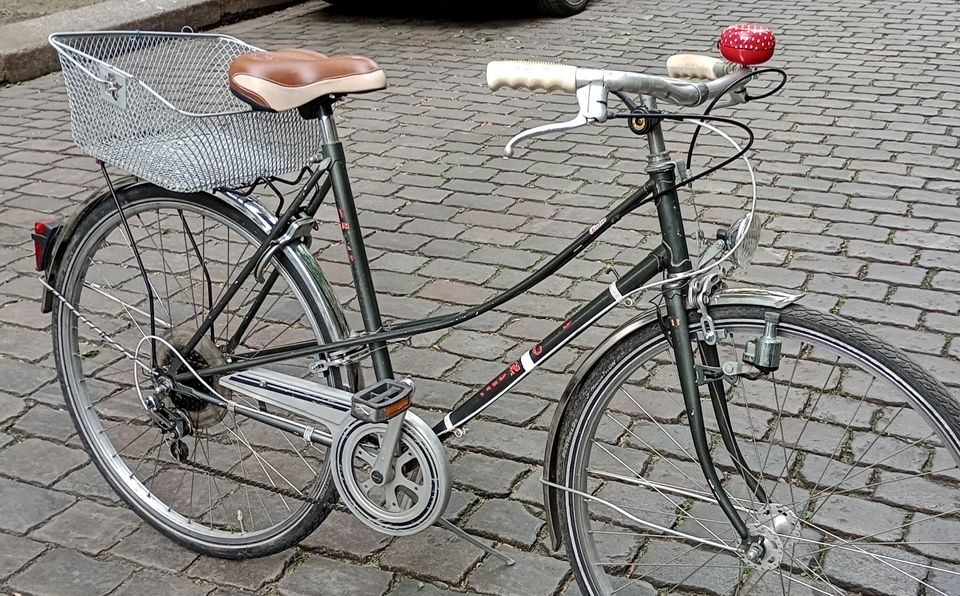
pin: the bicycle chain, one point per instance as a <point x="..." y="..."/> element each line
<point x="284" y="492"/>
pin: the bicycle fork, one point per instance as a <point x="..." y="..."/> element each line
<point x="662" y="172"/>
<point x="679" y="329"/>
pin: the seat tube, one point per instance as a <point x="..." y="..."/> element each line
<point x="662" y="172"/>
<point x="353" y="238"/>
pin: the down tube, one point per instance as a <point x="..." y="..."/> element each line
<point x="640" y="274"/>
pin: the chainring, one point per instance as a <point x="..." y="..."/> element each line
<point x="418" y="493"/>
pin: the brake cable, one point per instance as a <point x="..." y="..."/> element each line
<point x="747" y="98"/>
<point x="703" y="118"/>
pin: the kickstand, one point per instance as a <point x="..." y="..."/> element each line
<point x="477" y="543"/>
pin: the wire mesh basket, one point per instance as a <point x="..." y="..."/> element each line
<point x="158" y="105"/>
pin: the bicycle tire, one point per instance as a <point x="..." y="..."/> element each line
<point x="921" y="389"/>
<point x="312" y="514"/>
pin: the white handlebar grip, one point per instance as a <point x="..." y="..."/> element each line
<point x="525" y="74"/>
<point x="693" y="66"/>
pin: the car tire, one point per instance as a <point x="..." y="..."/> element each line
<point x="561" y="8"/>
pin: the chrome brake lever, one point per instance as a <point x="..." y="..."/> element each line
<point x="592" y="99"/>
<point x="580" y="120"/>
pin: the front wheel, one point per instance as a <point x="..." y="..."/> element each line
<point x="854" y="445"/>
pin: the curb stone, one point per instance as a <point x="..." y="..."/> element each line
<point x="25" y="53"/>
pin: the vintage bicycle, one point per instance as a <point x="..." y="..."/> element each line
<point x="723" y="441"/>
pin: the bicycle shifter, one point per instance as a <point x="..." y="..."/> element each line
<point x="593" y="108"/>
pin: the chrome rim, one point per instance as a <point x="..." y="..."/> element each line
<point x="865" y="491"/>
<point x="98" y="378"/>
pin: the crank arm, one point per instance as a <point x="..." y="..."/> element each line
<point x="383" y="466"/>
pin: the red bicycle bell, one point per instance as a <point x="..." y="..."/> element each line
<point x="747" y="44"/>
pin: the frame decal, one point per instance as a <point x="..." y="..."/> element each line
<point x="586" y="316"/>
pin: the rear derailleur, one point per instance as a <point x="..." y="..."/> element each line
<point x="171" y="421"/>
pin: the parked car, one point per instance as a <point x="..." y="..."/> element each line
<point x="561" y="8"/>
<point x="556" y="8"/>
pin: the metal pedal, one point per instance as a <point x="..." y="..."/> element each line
<point x="383" y="400"/>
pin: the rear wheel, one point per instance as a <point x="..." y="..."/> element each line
<point x="855" y="446"/>
<point x="232" y="487"/>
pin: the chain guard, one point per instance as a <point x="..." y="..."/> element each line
<point x="414" y="498"/>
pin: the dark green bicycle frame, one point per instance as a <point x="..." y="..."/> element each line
<point x="670" y="257"/>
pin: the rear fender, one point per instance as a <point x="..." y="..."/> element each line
<point x="551" y="496"/>
<point x="67" y="232"/>
<point x="320" y="291"/>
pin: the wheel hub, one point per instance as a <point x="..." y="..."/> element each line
<point x="780" y="519"/>
<point x="774" y="525"/>
<point x="202" y="414"/>
<point x="766" y="553"/>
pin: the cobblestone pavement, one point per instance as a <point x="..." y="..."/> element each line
<point x="858" y="165"/>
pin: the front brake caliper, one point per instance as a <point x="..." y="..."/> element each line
<point x="699" y="294"/>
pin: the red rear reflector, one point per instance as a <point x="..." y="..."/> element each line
<point x="44" y="235"/>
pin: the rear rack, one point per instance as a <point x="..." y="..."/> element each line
<point x="158" y="105"/>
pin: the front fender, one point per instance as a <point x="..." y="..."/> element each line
<point x="733" y="296"/>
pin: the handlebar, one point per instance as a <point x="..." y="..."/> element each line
<point x="682" y="87"/>
<point x="693" y="80"/>
<point x="528" y="74"/>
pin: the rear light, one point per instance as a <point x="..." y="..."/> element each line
<point x="44" y="235"/>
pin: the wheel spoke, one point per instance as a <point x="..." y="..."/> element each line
<point x="806" y="422"/>
<point x="228" y="490"/>
<point x="826" y="408"/>
<point x="656" y="488"/>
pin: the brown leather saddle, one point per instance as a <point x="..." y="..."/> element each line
<point x="287" y="79"/>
